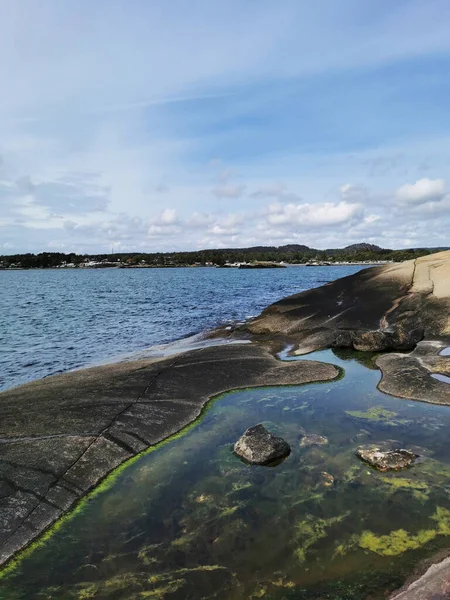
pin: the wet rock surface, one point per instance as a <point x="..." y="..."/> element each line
<point x="409" y="375"/>
<point x="258" y="446"/>
<point x="384" y="459"/>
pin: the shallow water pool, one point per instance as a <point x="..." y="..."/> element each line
<point x="189" y="520"/>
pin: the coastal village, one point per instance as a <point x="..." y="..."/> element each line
<point x="104" y="264"/>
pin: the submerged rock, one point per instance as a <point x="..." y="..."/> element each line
<point x="327" y="479"/>
<point x="260" y="447"/>
<point x="386" y="460"/>
<point x="312" y="439"/>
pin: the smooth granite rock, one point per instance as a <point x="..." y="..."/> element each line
<point x="396" y="304"/>
<point x="410" y="375"/>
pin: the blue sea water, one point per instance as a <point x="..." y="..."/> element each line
<point x="52" y="321"/>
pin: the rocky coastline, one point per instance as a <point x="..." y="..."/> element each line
<point x="61" y="436"/>
<point x="400" y="310"/>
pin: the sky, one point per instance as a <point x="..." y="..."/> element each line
<point x="148" y="125"/>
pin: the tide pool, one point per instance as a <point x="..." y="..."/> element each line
<point x="190" y="520"/>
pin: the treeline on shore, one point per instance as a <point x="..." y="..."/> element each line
<point x="290" y="254"/>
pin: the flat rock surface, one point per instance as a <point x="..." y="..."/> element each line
<point x="60" y="436"/>
<point x="409" y="375"/>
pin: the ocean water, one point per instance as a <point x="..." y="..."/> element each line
<point x="189" y="520"/>
<point x="52" y="321"/>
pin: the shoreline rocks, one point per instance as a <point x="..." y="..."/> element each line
<point x="258" y="446"/>
<point x="378" y="340"/>
<point x="377" y="309"/>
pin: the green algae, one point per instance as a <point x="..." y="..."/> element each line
<point x="237" y="487"/>
<point x="309" y="531"/>
<point x="399" y="540"/>
<point x="396" y="542"/>
<point x="147" y="554"/>
<point x="88" y="592"/>
<point x="419" y="489"/>
<point x="442" y="518"/>
<point x="376" y="414"/>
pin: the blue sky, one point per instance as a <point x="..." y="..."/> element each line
<point x="151" y="125"/>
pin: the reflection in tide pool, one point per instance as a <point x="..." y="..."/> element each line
<point x="190" y="520"/>
<point x="441" y="377"/>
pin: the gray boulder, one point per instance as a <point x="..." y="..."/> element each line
<point x="258" y="446"/>
<point x="386" y="460"/>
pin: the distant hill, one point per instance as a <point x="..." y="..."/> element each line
<point x="287" y="248"/>
<point x="354" y="248"/>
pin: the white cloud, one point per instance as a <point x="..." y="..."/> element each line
<point x="313" y="215"/>
<point x="199" y="220"/>
<point x="422" y="191"/>
<point x="353" y="193"/>
<point x="168" y="216"/>
<point x="226" y="225"/>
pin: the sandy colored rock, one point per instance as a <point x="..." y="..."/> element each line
<point x="413" y="296"/>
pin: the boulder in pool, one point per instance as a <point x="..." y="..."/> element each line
<point x="385" y="459"/>
<point x="312" y="439"/>
<point x="258" y="446"/>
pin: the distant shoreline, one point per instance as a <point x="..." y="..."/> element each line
<point x="66" y="268"/>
